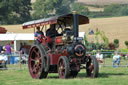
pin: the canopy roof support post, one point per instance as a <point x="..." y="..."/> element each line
<point x="15" y="45"/>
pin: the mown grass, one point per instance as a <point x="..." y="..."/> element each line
<point x="107" y="76"/>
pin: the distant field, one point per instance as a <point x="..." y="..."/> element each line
<point x="100" y="2"/>
<point x="116" y="27"/>
<point x="103" y="2"/>
<point x="94" y="9"/>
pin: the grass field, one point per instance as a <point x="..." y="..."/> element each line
<point x="107" y="76"/>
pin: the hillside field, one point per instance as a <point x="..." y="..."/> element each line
<point x="103" y="2"/>
<point x="116" y="27"/>
<point x="100" y="2"/>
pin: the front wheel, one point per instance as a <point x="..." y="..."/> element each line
<point x="63" y="67"/>
<point x="92" y="67"/>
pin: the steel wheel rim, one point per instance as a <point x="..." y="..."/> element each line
<point x="35" y="62"/>
<point x="61" y="69"/>
<point x="90" y="68"/>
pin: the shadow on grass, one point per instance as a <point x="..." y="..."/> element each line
<point x="52" y="77"/>
<point x="102" y="75"/>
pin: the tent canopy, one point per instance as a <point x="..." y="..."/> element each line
<point x="5" y="37"/>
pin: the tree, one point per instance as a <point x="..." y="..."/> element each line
<point x="4" y="10"/>
<point x="104" y="38"/>
<point x="80" y="8"/>
<point x="112" y="9"/>
<point x="124" y="10"/>
<point x="46" y="8"/>
<point x="63" y="6"/>
<point x="15" y="11"/>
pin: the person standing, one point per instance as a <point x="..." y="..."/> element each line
<point x="8" y="48"/>
<point x="1" y="49"/>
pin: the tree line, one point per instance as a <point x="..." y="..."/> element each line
<point x="19" y="11"/>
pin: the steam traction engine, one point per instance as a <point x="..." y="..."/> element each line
<point x="67" y="54"/>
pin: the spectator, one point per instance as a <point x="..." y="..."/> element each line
<point x="8" y="49"/>
<point x="21" y="46"/>
<point x="99" y="57"/>
<point x="1" y="49"/>
<point x="38" y="35"/>
<point x="91" y="32"/>
<point x="3" y="59"/>
<point x="116" y="59"/>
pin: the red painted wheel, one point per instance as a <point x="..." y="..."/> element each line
<point x="92" y="67"/>
<point x="36" y="63"/>
<point x="63" y="67"/>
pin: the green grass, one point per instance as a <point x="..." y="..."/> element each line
<point x="107" y="76"/>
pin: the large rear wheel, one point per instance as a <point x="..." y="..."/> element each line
<point x="92" y="67"/>
<point x="36" y="63"/>
<point x="63" y="67"/>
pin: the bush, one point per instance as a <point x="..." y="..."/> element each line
<point x="116" y="43"/>
<point x="111" y="46"/>
<point x="126" y="43"/>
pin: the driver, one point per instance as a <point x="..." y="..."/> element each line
<point x="51" y="32"/>
<point x="38" y="34"/>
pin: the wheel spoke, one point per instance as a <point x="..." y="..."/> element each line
<point x="91" y="68"/>
<point x="32" y="59"/>
<point x="34" y="50"/>
<point x="34" y="68"/>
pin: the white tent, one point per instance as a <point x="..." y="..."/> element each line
<point x="5" y="37"/>
<point x="16" y="37"/>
